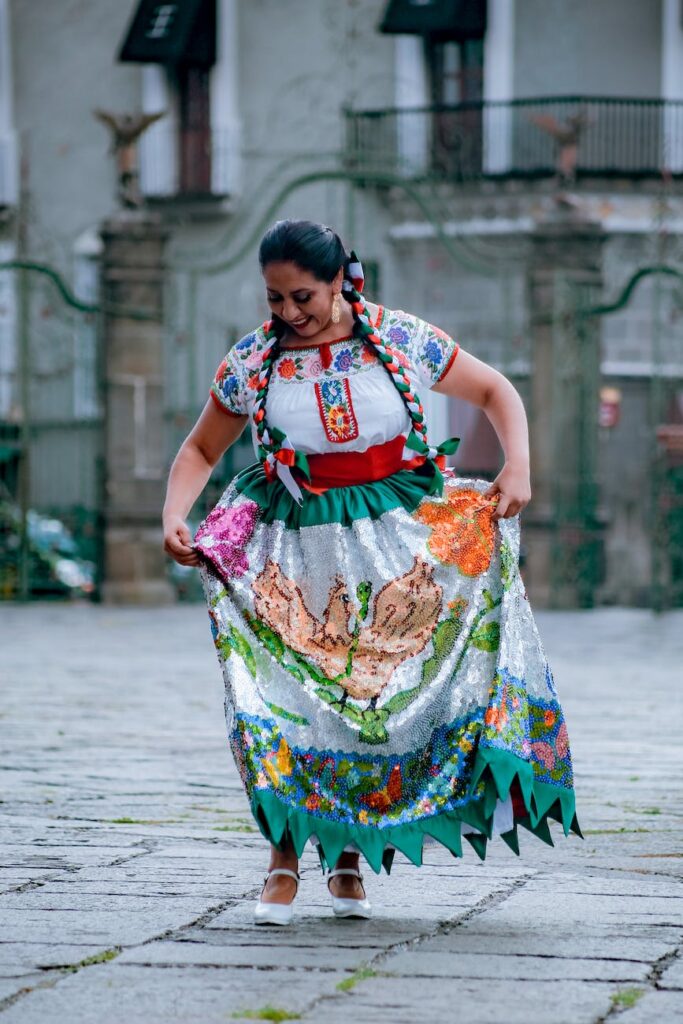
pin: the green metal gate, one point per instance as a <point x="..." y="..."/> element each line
<point x="50" y="439"/>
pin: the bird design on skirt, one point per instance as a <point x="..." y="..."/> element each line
<point x="382" y="799"/>
<point x="360" y="657"/>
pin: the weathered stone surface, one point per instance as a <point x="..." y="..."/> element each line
<point x="424" y="962"/>
<point x="664" y="1007"/>
<point x="403" y="1001"/>
<point x="672" y="977"/>
<point x="172" y="995"/>
<point x="126" y="839"/>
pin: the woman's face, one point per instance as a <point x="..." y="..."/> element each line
<point x="299" y="298"/>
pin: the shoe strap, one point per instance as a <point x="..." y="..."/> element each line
<point x="284" y="871"/>
<point x="345" y="871"/>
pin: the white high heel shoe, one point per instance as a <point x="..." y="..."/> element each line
<point x="344" y="907"/>
<point x="276" y="913"/>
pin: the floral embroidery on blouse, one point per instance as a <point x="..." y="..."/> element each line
<point x="286" y="368"/>
<point x="336" y="410"/>
<point x="295" y="364"/>
<point x="420" y="346"/>
<point x="343" y="361"/>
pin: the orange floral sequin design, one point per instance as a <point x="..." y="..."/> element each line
<point x="463" y="529"/>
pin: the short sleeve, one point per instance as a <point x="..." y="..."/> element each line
<point x="428" y="349"/>
<point x="229" y="387"/>
<point x="431" y="351"/>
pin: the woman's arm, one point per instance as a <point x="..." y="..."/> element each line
<point x="485" y="387"/>
<point x="209" y="439"/>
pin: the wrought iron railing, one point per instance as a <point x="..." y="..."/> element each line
<point x="522" y="138"/>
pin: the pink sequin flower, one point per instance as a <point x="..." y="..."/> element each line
<point x="223" y="536"/>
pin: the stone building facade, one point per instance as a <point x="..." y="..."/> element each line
<point x="413" y="129"/>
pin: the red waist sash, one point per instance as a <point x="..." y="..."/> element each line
<point x="344" y="469"/>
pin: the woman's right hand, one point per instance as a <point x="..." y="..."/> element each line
<point x="177" y="541"/>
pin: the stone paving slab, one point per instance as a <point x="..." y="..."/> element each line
<point x="490" y="939"/>
<point x="401" y="1001"/>
<point x="130" y="860"/>
<point x="175" y="995"/>
<point x="653" y="1006"/>
<point x="672" y="976"/>
<point x="427" y="963"/>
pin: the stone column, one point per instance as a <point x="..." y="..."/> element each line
<point x="562" y="533"/>
<point x="132" y="279"/>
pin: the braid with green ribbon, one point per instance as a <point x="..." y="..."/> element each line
<point x="277" y="454"/>
<point x="352" y="288"/>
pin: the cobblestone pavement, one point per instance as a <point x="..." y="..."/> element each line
<point x="130" y="862"/>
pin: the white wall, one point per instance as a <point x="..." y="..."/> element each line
<point x="9" y="156"/>
<point x="672" y="83"/>
<point x="499" y="66"/>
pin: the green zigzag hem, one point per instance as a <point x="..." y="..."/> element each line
<point x="496" y="768"/>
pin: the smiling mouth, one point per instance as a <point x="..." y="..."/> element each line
<point x="300" y="323"/>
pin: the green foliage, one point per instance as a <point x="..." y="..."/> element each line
<point x="625" y="998"/>
<point x="306" y="668"/>
<point x="233" y="828"/>
<point x="97" y="958"/>
<point x="487" y="637"/>
<point x="444" y="639"/>
<point x="508" y="565"/>
<point x="268" y="637"/>
<point x="266" y="1013"/>
<point x="218" y="596"/>
<point x="240" y="646"/>
<point x="273" y="643"/>
<point x="326" y="695"/>
<point x="401" y="700"/>
<point x="362" y="974"/>
<point x="291" y="716"/>
<point x="373" y="730"/>
<point x="363" y="593"/>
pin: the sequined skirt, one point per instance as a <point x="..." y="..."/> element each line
<point x="386" y="684"/>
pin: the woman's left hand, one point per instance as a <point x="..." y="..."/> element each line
<point x="513" y="487"/>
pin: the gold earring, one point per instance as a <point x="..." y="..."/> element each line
<point x="336" y="312"/>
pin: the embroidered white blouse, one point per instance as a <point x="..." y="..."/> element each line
<point x="336" y="396"/>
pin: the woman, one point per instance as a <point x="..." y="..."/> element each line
<point x="386" y="686"/>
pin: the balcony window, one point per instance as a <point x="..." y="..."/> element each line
<point x="452" y="34"/>
<point x="194" y="130"/>
<point x="456" y="77"/>
<point x="191" y="152"/>
<point x="456" y="71"/>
